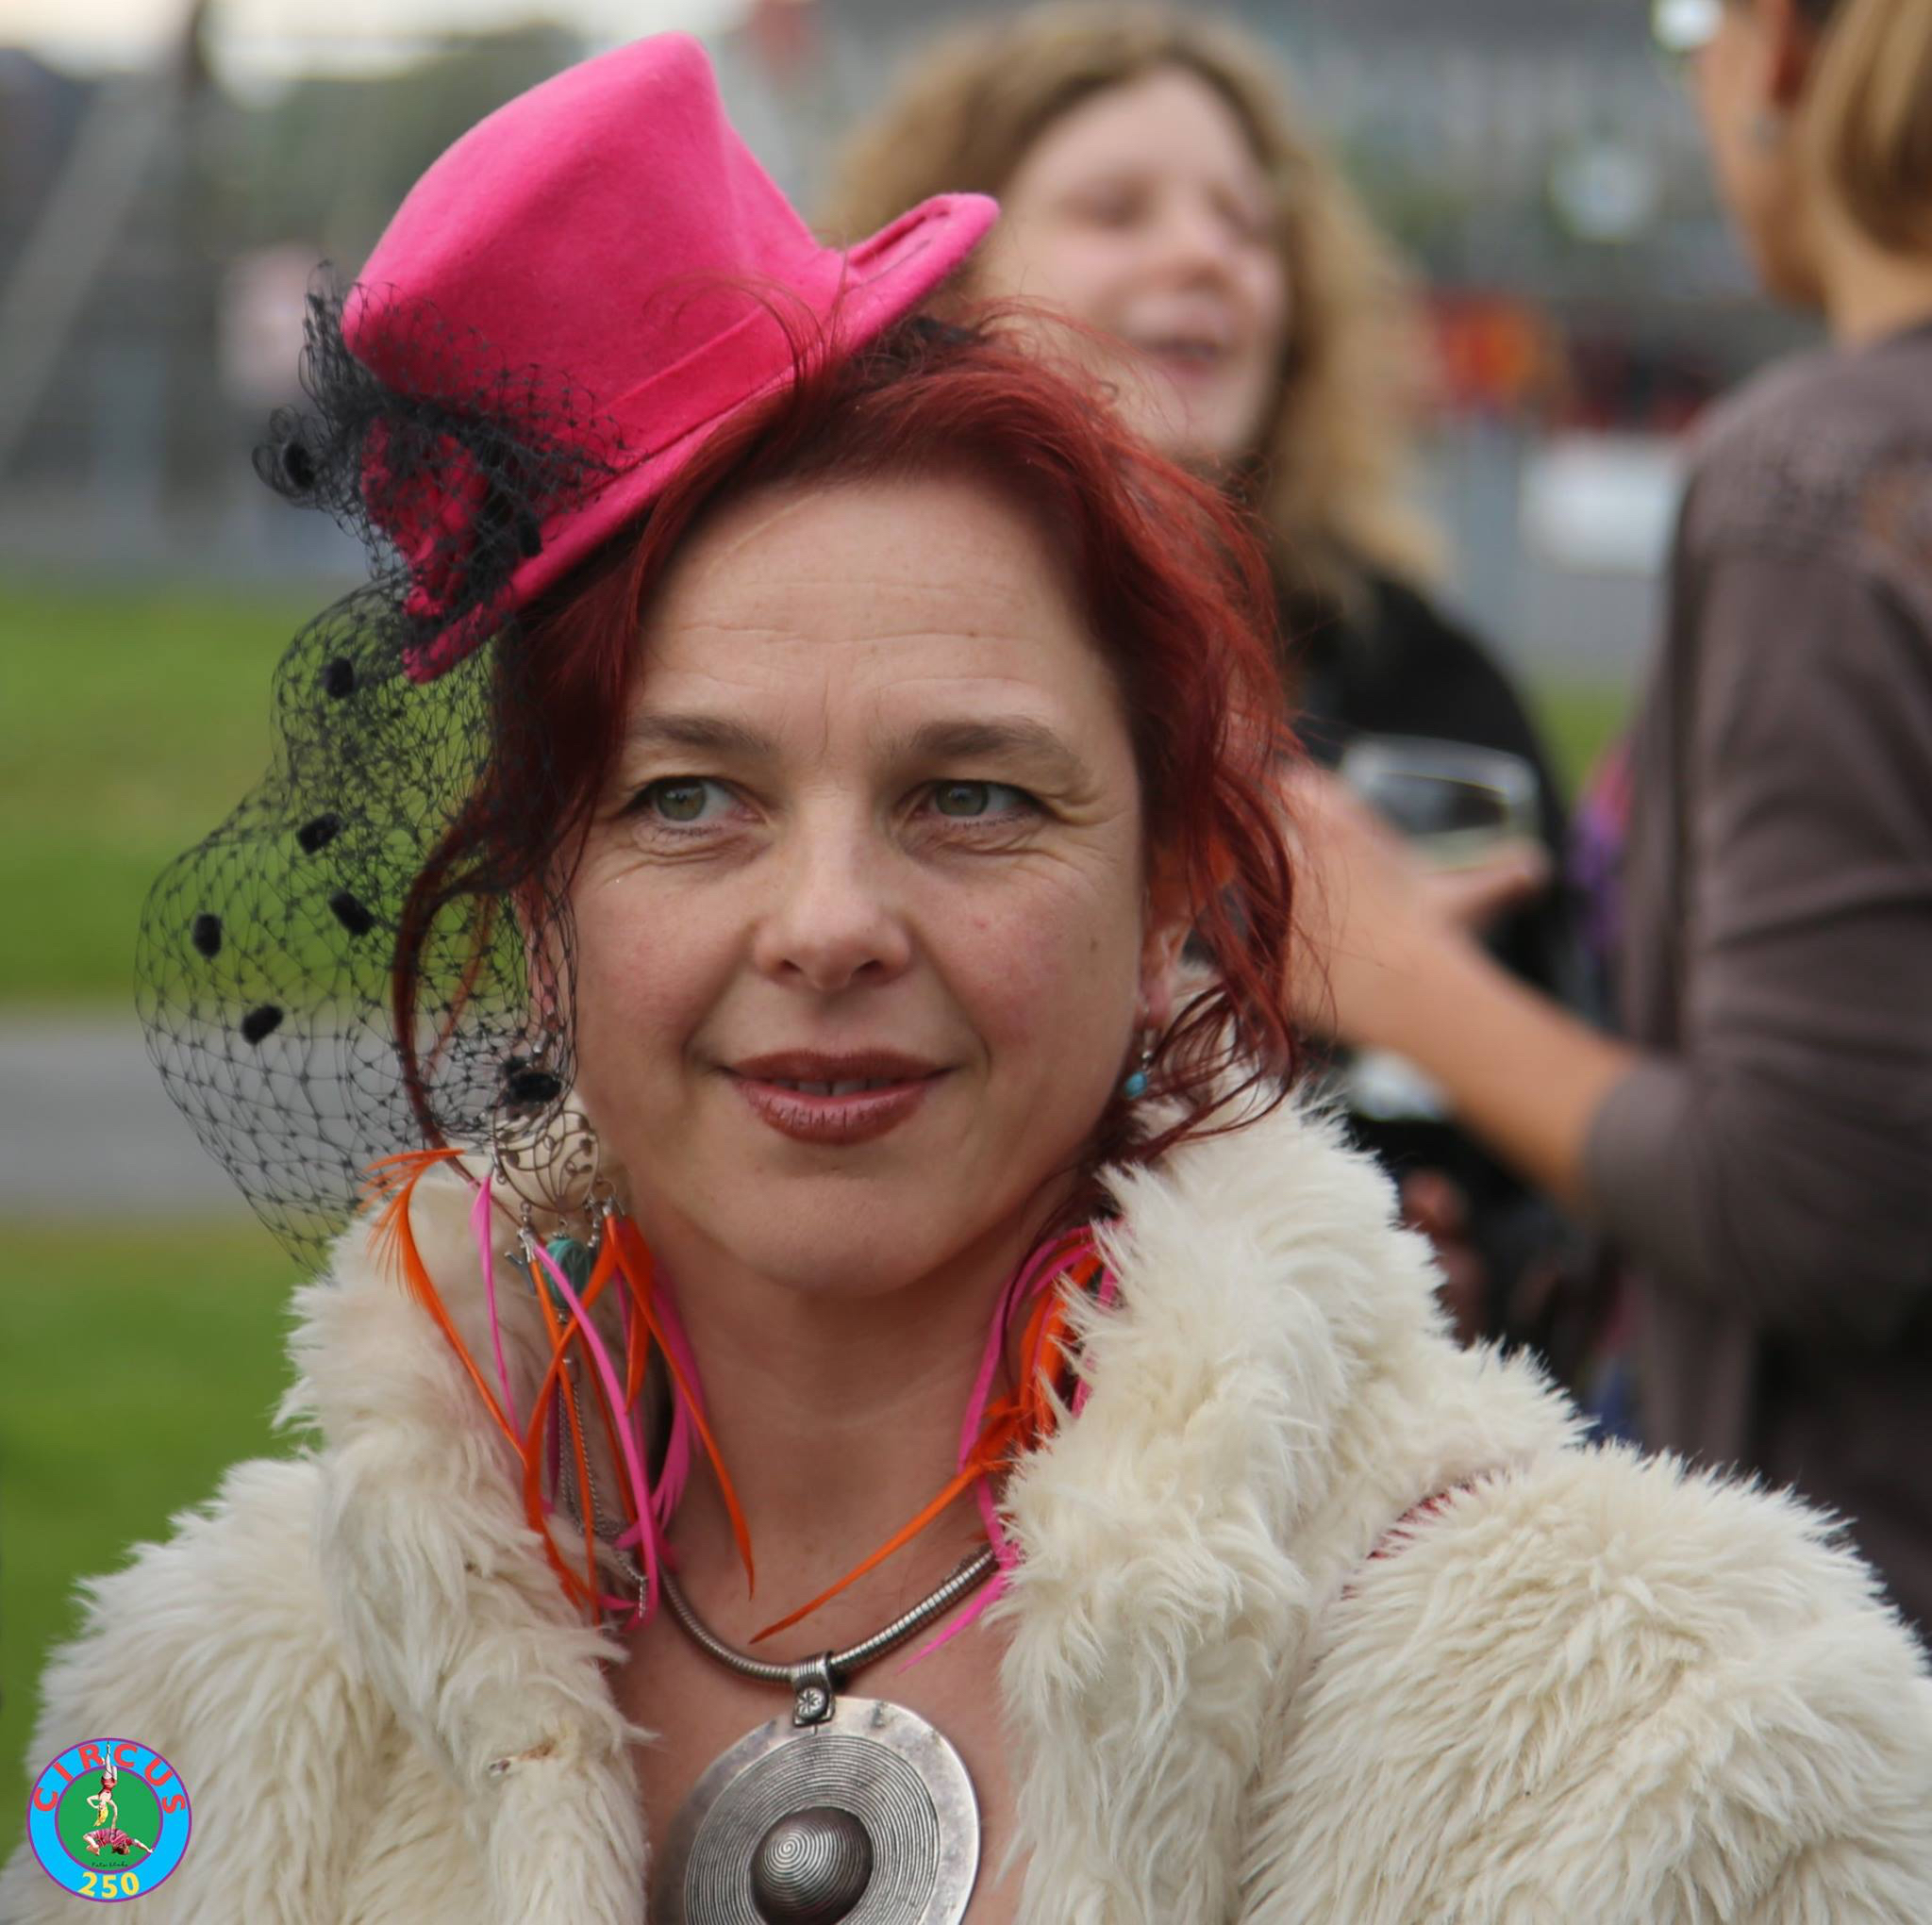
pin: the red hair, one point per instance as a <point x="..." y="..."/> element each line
<point x="1177" y="596"/>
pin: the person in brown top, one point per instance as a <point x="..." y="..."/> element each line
<point x="1760" y="1147"/>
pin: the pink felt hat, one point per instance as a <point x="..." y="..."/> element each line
<point x="607" y="235"/>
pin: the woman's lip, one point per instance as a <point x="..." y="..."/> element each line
<point x="833" y="1066"/>
<point x="857" y="1116"/>
<point x="1186" y="366"/>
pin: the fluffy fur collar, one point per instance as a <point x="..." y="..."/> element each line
<point x="1272" y="1391"/>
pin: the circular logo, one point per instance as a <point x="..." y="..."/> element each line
<point x="108" y="1819"/>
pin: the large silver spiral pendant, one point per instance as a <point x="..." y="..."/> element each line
<point x="866" y="1817"/>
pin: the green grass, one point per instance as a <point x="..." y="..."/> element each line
<point x="131" y="720"/>
<point x="1578" y="723"/>
<point x="140" y="1362"/>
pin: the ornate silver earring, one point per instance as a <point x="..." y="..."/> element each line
<point x="545" y="1161"/>
<point x="1135" y="1084"/>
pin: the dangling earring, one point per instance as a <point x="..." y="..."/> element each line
<point x="548" y="1164"/>
<point x="1135" y="1088"/>
<point x="543" y="1165"/>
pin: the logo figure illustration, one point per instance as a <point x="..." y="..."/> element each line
<point x="102" y="1800"/>
<point x="109" y="1836"/>
<point x="109" y="1819"/>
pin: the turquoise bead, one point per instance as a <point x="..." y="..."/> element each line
<point x="575" y="1260"/>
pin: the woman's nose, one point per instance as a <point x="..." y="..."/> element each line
<point x="833" y="920"/>
<point x="1194" y="240"/>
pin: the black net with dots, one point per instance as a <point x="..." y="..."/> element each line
<point x="266" y="951"/>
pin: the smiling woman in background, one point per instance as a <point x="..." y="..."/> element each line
<point x="1157" y="188"/>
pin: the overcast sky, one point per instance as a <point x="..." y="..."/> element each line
<point x="258" y="37"/>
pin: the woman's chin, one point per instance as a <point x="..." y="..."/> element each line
<point x="1202" y="438"/>
<point x="857" y="1238"/>
<point x="852" y="1256"/>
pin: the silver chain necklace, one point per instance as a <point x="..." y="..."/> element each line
<point x="850" y="1809"/>
<point x="971" y="1573"/>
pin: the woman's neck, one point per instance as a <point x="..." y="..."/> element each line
<point x="1870" y="292"/>
<point x="838" y="1419"/>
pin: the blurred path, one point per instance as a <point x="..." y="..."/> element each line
<point x="86" y="1129"/>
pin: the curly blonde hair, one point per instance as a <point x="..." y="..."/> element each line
<point x="1331" y="473"/>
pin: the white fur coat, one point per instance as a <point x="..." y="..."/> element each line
<point x="1588" y="1687"/>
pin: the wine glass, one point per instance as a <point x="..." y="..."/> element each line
<point x="1456" y="806"/>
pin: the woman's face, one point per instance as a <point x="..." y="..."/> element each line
<point x="1142" y="211"/>
<point x="862" y="935"/>
<point x="1744" y="81"/>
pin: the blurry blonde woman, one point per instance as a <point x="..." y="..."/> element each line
<point x="1158" y="187"/>
<point x="1155" y="184"/>
<point x="1761" y="1149"/>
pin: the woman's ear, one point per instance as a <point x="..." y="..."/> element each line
<point x="1790" y="46"/>
<point x="547" y="984"/>
<point x="1163" y="937"/>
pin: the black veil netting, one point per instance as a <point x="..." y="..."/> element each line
<point x="267" y="951"/>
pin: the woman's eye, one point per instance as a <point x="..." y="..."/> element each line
<point x="1263" y="229"/>
<point x="683" y="799"/>
<point x="1118" y="207"/>
<point x="1251" y="226"/>
<point x="973" y="800"/>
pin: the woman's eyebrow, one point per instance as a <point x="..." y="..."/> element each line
<point x="1021" y="736"/>
<point x="712" y="732"/>
<point x="960" y="738"/>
